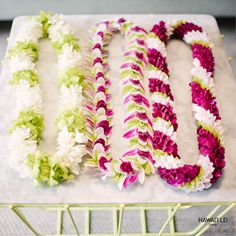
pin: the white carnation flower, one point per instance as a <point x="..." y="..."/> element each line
<point x="80" y="137"/>
<point x="194" y="36"/>
<point x="28" y="98"/>
<point x="165" y="127"/>
<point x="157" y="44"/>
<point x="59" y="28"/>
<point x="203" y="115"/>
<point x="168" y="161"/>
<point x="158" y="98"/>
<point x="158" y="74"/>
<point x="20" y="61"/>
<point x="31" y="30"/>
<point x="20" y="147"/>
<point x="201" y="73"/>
<point x="68" y="58"/>
<point x="71" y="97"/>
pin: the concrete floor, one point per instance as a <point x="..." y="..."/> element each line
<point x="185" y="220"/>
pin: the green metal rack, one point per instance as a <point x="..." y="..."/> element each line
<point x="219" y="210"/>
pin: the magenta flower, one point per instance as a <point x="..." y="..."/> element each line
<point x="97" y="45"/>
<point x="127" y="167"/>
<point x="97" y="60"/>
<point x="157" y="85"/>
<point x="179" y="176"/>
<point x="186" y="27"/>
<point x="101" y="141"/>
<point x="121" y="20"/>
<point x="132" y="66"/>
<point x="203" y="97"/>
<point x="160" y="31"/>
<point x="138" y="29"/>
<point x="102" y="161"/>
<point x="205" y="56"/>
<point x="130" y="179"/>
<point x="165" y="112"/>
<point x="138" y="99"/>
<point x="164" y="143"/>
<point x="100" y="33"/>
<point x="101" y="104"/>
<point x="156" y="59"/>
<point x="98" y="75"/>
<point x="101" y="89"/>
<point x="210" y="145"/>
<point x="105" y="125"/>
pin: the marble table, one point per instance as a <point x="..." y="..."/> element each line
<point x="88" y="188"/>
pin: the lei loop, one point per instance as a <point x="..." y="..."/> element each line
<point x="209" y="129"/>
<point x="134" y="164"/>
<point x="27" y="128"/>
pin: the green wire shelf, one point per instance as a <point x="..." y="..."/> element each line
<point x="117" y="211"/>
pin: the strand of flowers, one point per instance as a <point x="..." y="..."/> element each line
<point x="100" y="112"/>
<point x="211" y="160"/>
<point x="26" y="132"/>
<point x="137" y="162"/>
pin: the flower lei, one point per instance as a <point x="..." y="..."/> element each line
<point x="211" y="160"/>
<point x="134" y="164"/>
<point x="26" y="131"/>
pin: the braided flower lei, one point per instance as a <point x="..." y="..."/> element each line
<point x="211" y="160"/>
<point x="26" y="131"/>
<point x="134" y="164"/>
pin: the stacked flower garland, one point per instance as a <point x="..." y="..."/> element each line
<point x="27" y="128"/>
<point x="211" y="160"/>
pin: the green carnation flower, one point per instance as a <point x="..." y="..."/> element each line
<point x="72" y="119"/>
<point x="39" y="162"/>
<point x="29" y="48"/>
<point x="59" y="173"/>
<point x="31" y="120"/>
<point x="67" y="39"/>
<point x="29" y="75"/>
<point x="72" y="76"/>
<point x="44" y="19"/>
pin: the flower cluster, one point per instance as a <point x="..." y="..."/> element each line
<point x="27" y="128"/>
<point x="211" y="159"/>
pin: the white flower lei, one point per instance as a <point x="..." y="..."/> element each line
<point x="26" y="131"/>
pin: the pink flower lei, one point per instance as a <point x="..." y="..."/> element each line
<point x="211" y="160"/>
<point x="134" y="164"/>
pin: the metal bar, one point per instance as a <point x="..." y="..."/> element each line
<point x="72" y="220"/>
<point x="227" y="209"/>
<point x="115" y="223"/>
<point x="169" y="219"/>
<point x="122" y="234"/>
<point x="59" y="221"/>
<point x="172" y="222"/>
<point x="143" y="220"/>
<point x="127" y="205"/>
<point x="120" y="219"/>
<point x="24" y="220"/>
<point x="87" y="221"/>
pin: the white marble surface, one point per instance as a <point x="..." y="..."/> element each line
<point x="90" y="189"/>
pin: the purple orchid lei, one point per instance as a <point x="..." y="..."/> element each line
<point x="133" y="165"/>
<point x="211" y="159"/>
